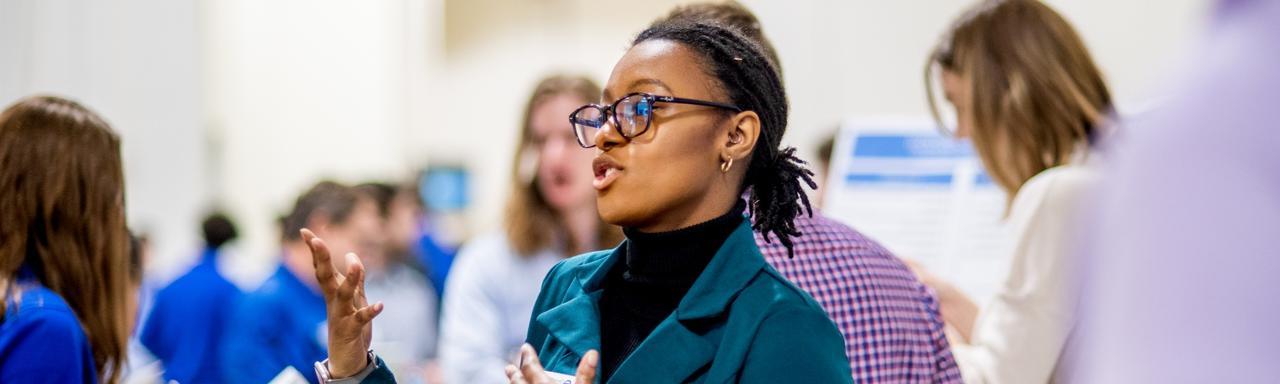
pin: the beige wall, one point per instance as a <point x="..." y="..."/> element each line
<point x="246" y="102"/>
<point x="841" y="58"/>
<point x="381" y="88"/>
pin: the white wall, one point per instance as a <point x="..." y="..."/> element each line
<point x="866" y="58"/>
<point x="141" y="72"/>
<point x="244" y="103"/>
<point x="496" y="50"/>
<point x="304" y="90"/>
<point x="841" y="59"/>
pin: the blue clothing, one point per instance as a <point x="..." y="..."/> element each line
<point x="281" y="324"/>
<point x="187" y="321"/>
<point x="437" y="260"/>
<point x="41" y="340"/>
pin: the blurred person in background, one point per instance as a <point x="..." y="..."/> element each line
<point x="412" y="241"/>
<point x="438" y="204"/>
<point x="893" y="333"/>
<point x="188" y="317"/>
<point x="1183" y="265"/>
<point x="687" y="296"/>
<point x="281" y="325"/>
<point x="1027" y="92"/>
<point x="404" y="335"/>
<point x="64" y="249"/>
<point x="551" y="214"/>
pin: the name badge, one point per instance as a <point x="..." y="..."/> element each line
<point x="561" y="378"/>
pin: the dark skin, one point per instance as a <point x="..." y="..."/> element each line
<point x="671" y="176"/>
<point x="668" y="178"/>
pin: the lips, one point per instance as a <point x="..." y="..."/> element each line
<point x="606" y="171"/>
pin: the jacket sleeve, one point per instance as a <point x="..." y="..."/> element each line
<point x="797" y="345"/>
<point x="376" y="373"/>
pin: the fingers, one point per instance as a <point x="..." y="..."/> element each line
<point x="587" y="368"/>
<point x="320" y="260"/>
<point x="366" y="314"/>
<point x="532" y="367"/>
<point x="360" y="299"/>
<point x="514" y="376"/>
<point x="354" y="281"/>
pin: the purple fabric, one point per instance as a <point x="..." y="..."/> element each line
<point x="893" y="332"/>
<point x="1184" y="281"/>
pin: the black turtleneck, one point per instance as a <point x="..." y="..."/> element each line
<point x="658" y="269"/>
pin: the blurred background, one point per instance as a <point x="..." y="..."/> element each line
<point x="241" y="104"/>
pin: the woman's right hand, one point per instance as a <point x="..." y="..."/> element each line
<point x="349" y="313"/>
<point x="530" y="370"/>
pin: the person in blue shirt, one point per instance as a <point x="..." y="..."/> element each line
<point x="185" y="327"/>
<point x="64" y="278"/>
<point x="281" y="325"/>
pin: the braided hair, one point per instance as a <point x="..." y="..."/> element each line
<point x="744" y="71"/>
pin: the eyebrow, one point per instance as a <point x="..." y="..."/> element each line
<point x="640" y="82"/>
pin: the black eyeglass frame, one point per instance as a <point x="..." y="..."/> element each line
<point x="611" y="111"/>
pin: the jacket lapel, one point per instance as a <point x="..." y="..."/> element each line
<point x="670" y="354"/>
<point x="674" y="352"/>
<point x="576" y="323"/>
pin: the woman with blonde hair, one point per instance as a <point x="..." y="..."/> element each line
<point x="1026" y="91"/>
<point x="551" y="214"/>
<point x="64" y="261"/>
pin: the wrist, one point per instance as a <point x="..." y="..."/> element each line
<point x="349" y="367"/>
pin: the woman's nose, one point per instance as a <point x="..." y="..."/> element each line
<point x="608" y="136"/>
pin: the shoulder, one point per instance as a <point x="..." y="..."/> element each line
<point x="770" y="292"/>
<point x="271" y="295"/>
<point x="820" y="238"/>
<point x="568" y="270"/>
<point x="562" y="282"/>
<point x="43" y="318"/>
<point x="1057" y="185"/>
<point x="794" y="332"/>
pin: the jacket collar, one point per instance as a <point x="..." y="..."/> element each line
<point x="576" y="322"/>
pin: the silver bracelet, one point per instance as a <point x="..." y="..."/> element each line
<point x="322" y="371"/>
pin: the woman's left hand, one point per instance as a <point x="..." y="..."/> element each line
<point x="958" y="310"/>
<point x="531" y="371"/>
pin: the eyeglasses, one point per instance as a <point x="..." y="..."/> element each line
<point x="632" y="115"/>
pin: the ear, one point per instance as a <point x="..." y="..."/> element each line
<point x="740" y="137"/>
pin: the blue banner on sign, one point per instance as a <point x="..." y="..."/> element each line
<point x="911" y="147"/>
<point x="880" y="178"/>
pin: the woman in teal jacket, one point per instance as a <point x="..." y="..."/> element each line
<point x="694" y="119"/>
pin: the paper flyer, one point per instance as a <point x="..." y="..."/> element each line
<point x="922" y="195"/>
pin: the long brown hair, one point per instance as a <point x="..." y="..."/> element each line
<point x="1036" y="94"/>
<point x="531" y="223"/>
<point x="62" y="216"/>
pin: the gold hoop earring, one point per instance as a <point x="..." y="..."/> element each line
<point x="725" y="166"/>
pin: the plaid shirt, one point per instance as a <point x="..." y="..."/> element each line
<point x="893" y="332"/>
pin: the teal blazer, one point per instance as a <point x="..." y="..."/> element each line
<point x="740" y="322"/>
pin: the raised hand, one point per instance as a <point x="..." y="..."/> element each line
<point x="530" y="370"/>
<point x="350" y="315"/>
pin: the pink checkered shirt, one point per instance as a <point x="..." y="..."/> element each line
<point x="892" y="330"/>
